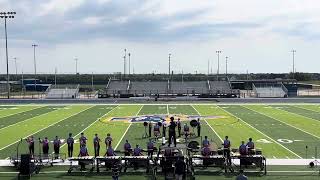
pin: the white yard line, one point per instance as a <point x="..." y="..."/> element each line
<point x="28" y="119"/>
<point x="263" y="134"/>
<point x="208" y="124"/>
<point x="36" y="107"/>
<point x="90" y="125"/>
<point x="127" y="129"/>
<point x="305" y="108"/>
<point x="168" y="109"/>
<point x="283" y="122"/>
<point x="45" y="127"/>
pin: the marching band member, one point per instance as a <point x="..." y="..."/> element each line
<point x="172" y="132"/>
<point x="179" y="127"/>
<point x="186" y="130"/>
<point x="70" y="142"/>
<point x="56" y="147"/>
<point x="150" y="147"/>
<point x="156" y="130"/>
<point x="127" y="148"/>
<point x="205" y="142"/>
<point x="198" y="127"/>
<point x="45" y="146"/>
<point x="108" y="140"/>
<point x="110" y="151"/>
<point x="96" y="145"/>
<point x="250" y="145"/>
<point x="226" y="149"/>
<point x="83" y="153"/>
<point x="243" y="149"/>
<point x="30" y="142"/>
<point x="83" y="139"/>
<point x="164" y="128"/>
<point x="137" y="151"/>
<point x="206" y="151"/>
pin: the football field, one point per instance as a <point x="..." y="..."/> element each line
<point x="286" y="131"/>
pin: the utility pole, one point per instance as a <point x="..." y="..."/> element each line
<point x="293" y="63"/>
<point x="125" y="63"/>
<point x="208" y="66"/>
<point x="169" y="65"/>
<point x="92" y="82"/>
<point x="6" y="15"/>
<point x="35" y="66"/>
<point x="218" y="71"/>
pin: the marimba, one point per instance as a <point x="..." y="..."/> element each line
<point x="253" y="161"/>
<point x="87" y="160"/>
<point x="109" y="162"/>
<point x="136" y="162"/>
<point x="208" y="161"/>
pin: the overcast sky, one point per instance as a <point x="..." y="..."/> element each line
<point x="256" y="35"/>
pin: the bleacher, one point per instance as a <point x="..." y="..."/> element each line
<point x="270" y="90"/>
<point x="205" y="89"/>
<point x="55" y="92"/>
<point x="117" y="87"/>
<point x="219" y="87"/>
<point x="148" y="87"/>
<point x="188" y="87"/>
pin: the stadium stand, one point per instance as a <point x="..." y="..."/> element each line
<point x="117" y="87"/>
<point x="54" y="92"/>
<point x="270" y="90"/>
<point x="217" y="87"/>
<point x="149" y="87"/>
<point x="188" y="87"/>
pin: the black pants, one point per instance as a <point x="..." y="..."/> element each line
<point x="199" y="131"/>
<point x="31" y="149"/>
<point x="226" y="154"/>
<point x="172" y="135"/>
<point x="127" y="153"/>
<point x="164" y="132"/>
<point x="70" y="150"/>
<point x="150" y="153"/>
<point x="45" y="149"/>
<point x="96" y="151"/>
<point x="56" y="151"/>
<point x="179" y="131"/>
<point x="150" y="132"/>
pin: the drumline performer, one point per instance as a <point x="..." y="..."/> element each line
<point x="179" y="127"/>
<point x="70" y="142"/>
<point x="56" y="147"/>
<point x="30" y="142"/>
<point x="96" y="145"/>
<point x="226" y="149"/>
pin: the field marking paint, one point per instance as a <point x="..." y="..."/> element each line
<point x="207" y="123"/>
<point x="127" y="129"/>
<point x="283" y="122"/>
<point x="91" y="124"/>
<point x="306" y="109"/>
<point x="46" y="127"/>
<point x="28" y="119"/>
<point x="296" y="114"/>
<point x="37" y="107"/>
<point x="264" y="134"/>
<point x="168" y="109"/>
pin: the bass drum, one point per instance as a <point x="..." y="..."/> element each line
<point x="194" y="123"/>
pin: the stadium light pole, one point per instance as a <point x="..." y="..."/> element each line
<point x="5" y="16"/>
<point x="218" y="71"/>
<point x="92" y="82"/>
<point x="293" y="71"/>
<point x="129" y="54"/>
<point x="125" y="62"/>
<point x="35" y="66"/>
<point x="55" y="77"/>
<point x="227" y="67"/>
<point x="76" y="60"/>
<point x="169" y="65"/>
<point x="15" y="63"/>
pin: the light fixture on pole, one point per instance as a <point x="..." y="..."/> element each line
<point x="129" y="54"/>
<point x="35" y="66"/>
<point x="5" y="16"/>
